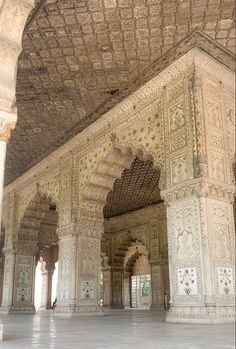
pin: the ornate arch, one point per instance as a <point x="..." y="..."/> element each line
<point x="127" y="250"/>
<point x="102" y="179"/>
<point x="34" y="214"/>
<point x="134" y="252"/>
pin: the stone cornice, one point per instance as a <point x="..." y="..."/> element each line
<point x="141" y="217"/>
<point x="191" y="52"/>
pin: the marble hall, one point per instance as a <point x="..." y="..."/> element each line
<point x="117" y="174"/>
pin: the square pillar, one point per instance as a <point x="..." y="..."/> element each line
<point x="117" y="287"/>
<point x="157" y="285"/>
<point x="201" y="257"/>
<point x="79" y="269"/>
<point x="66" y="287"/>
<point x="127" y="291"/>
<point x="107" y="287"/>
<point x="44" y="289"/>
<point x="8" y="278"/>
<point x="24" y="278"/>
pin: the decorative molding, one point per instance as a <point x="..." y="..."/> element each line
<point x="201" y="188"/>
<point x="125" y="111"/>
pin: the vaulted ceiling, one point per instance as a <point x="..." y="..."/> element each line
<point x="138" y="187"/>
<point x="81" y="57"/>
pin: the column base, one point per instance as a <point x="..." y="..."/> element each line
<point x="157" y="306"/>
<point x="201" y="314"/>
<point x="117" y="306"/>
<point x="68" y="311"/>
<point x="19" y="309"/>
<point x="5" y="309"/>
<point x="16" y="309"/>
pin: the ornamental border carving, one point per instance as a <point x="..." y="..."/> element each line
<point x="124" y="110"/>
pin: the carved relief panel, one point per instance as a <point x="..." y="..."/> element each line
<point x="24" y="279"/>
<point x="184" y="249"/>
<point x="8" y="279"/>
<point x="88" y="267"/>
<point x="222" y="230"/>
<point x="219" y="109"/>
<point x="67" y="268"/>
<point x="178" y="132"/>
<point x="65" y="192"/>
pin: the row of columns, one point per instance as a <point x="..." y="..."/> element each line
<point x="117" y="288"/>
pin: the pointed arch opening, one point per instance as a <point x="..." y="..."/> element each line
<point x="36" y="255"/>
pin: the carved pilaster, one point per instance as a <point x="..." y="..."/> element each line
<point x="199" y="145"/>
<point x="79" y="269"/>
<point x="157" y="284"/>
<point x="117" y="287"/>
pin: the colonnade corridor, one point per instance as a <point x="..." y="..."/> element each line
<point x="117" y="174"/>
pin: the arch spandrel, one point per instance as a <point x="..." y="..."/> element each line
<point x="100" y="182"/>
<point x="48" y="186"/>
<point x="34" y="213"/>
<point x="142" y="136"/>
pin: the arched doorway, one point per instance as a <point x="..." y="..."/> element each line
<point x="137" y="278"/>
<point x="80" y="243"/>
<point x="134" y="217"/>
<point x="37" y="240"/>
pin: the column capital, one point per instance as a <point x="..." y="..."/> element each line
<point x="200" y="187"/>
<point x="7" y="124"/>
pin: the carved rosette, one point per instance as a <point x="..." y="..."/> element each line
<point x="5" y="130"/>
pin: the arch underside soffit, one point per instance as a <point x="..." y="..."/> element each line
<point x="138" y="187"/>
<point x="121" y="183"/>
<point x="127" y="253"/>
<point x="39" y="223"/>
<point x="80" y="59"/>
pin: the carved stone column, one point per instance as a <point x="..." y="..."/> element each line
<point x="107" y="288"/>
<point x="79" y="269"/>
<point x="49" y="289"/>
<point x="117" y="287"/>
<point x="7" y="123"/>
<point x="201" y="255"/>
<point x="10" y="48"/>
<point x="1" y="263"/>
<point x="44" y="289"/>
<point x="24" y="277"/>
<point x="157" y="285"/>
<point x="50" y="256"/>
<point x="89" y="267"/>
<point x="66" y="288"/>
<point x="199" y="129"/>
<point x="8" y="279"/>
<point x="106" y="269"/>
<point x="127" y="291"/>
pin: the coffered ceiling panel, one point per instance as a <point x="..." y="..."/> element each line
<point x="138" y="187"/>
<point x="78" y="54"/>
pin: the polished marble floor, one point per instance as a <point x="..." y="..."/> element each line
<point x="126" y="329"/>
